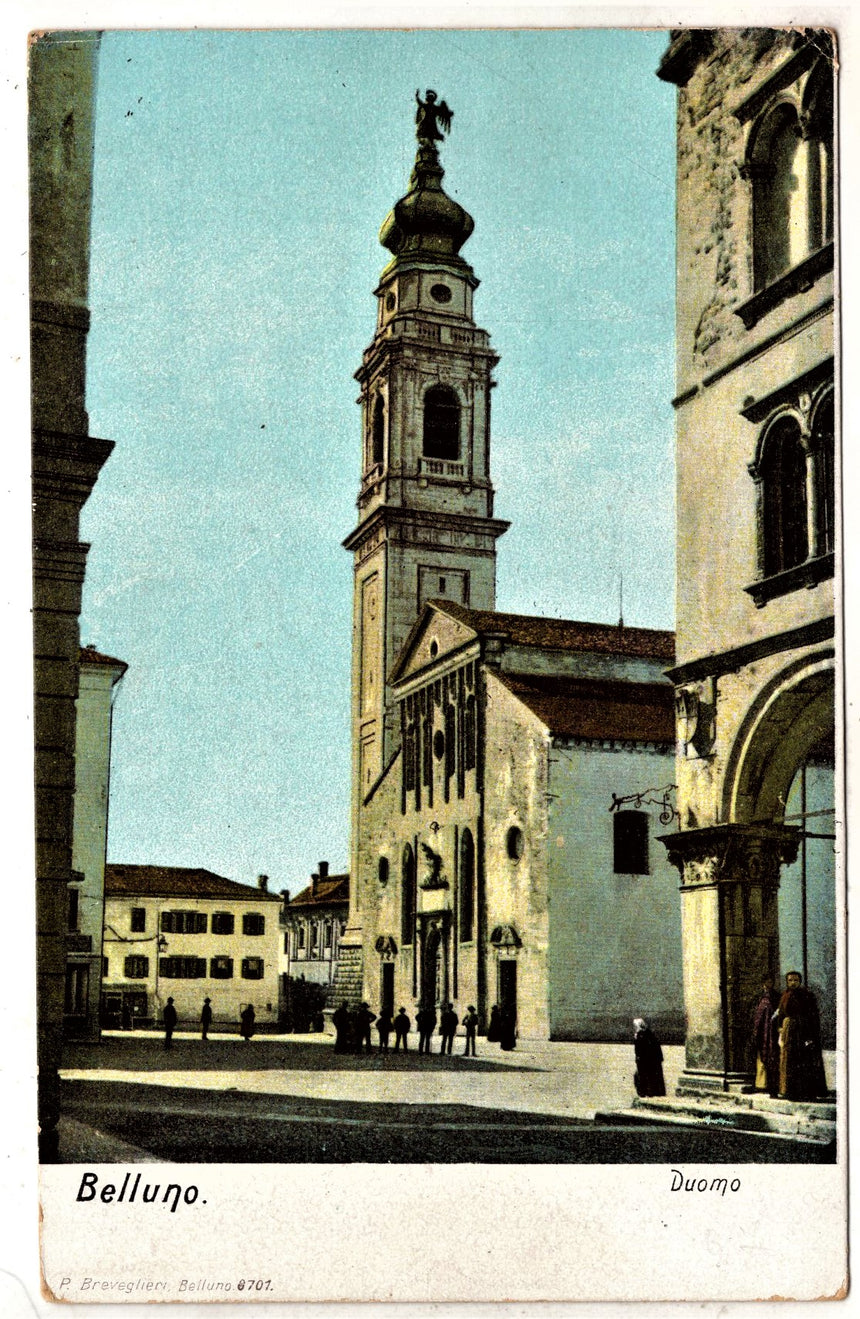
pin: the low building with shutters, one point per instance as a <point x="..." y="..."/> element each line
<point x="188" y="934"/>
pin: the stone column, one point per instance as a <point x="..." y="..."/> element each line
<point x="730" y="934"/>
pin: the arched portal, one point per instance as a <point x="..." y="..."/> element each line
<point x="784" y="774"/>
<point x="783" y="728"/>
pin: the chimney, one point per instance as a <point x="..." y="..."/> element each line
<point x="285" y="896"/>
<point x="263" y="883"/>
<point x="323" y="869"/>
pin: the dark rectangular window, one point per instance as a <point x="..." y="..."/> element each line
<point x="301" y="936"/>
<point x="223" y="922"/>
<point x="253" y="923"/>
<point x="136" y="967"/>
<point x="74" y="899"/>
<point x="138" y="920"/>
<point x="630" y="843"/>
<point x="183" y="922"/>
<point x="182" y="968"/>
<point x="221" y="968"/>
<point x="252" y="968"/>
<point x="105" y="968"/>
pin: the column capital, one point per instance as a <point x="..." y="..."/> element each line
<point x="731" y="853"/>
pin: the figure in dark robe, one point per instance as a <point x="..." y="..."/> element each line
<point x="494" y="1029"/>
<point x="205" y="1019"/>
<point x="649" y="1060"/>
<point x="508" y="1028"/>
<point x="801" y="1066"/>
<point x="246" y="1027"/>
<point x="342" y="1022"/>
<point x="765" y="1044"/>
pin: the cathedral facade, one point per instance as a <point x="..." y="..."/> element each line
<point x="493" y="857"/>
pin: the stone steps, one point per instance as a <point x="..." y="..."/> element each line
<point x="348" y="984"/>
<point x="778" y="1117"/>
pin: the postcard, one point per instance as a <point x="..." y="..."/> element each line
<point x="439" y="760"/>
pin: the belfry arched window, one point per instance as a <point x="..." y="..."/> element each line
<point x="407" y="894"/>
<point x="467" y="887"/>
<point x="378" y="432"/>
<point x="784" y="505"/>
<point x="441" y="423"/>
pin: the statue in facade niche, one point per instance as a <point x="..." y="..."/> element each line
<point x="434" y="877"/>
<point x="430" y="117"/>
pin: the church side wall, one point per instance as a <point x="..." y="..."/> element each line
<point x="515" y="778"/>
<point x="615" y="939"/>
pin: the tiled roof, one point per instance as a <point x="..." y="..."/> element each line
<point x="89" y="655"/>
<point x="178" y="882"/>
<point x="328" y="891"/>
<point x="576" y="707"/>
<point x="565" y="634"/>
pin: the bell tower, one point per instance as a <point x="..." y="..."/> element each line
<point x="425" y="506"/>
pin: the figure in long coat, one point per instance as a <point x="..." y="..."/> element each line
<point x="425" y="1020"/>
<point x="402" y="1026"/>
<point x="649" y="1060"/>
<point x="801" y="1066"/>
<point x="170" y="1018"/>
<point x="342" y="1022"/>
<point x="494" y="1030"/>
<point x="246" y="1028"/>
<point x="470" y="1021"/>
<point x="205" y="1019"/>
<point x="448" y="1023"/>
<point x="363" y="1020"/>
<point x="764" y="1038"/>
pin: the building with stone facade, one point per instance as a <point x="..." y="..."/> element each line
<point x="99" y="678"/>
<point x="66" y="461"/>
<point x="188" y="934"/>
<point x="755" y="674"/>
<point x="487" y="863"/>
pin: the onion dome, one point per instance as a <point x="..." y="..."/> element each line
<point x="426" y="222"/>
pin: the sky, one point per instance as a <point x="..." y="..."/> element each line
<point x="240" y="182"/>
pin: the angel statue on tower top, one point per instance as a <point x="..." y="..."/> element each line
<point x="430" y="117"/>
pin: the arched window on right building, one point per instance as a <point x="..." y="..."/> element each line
<point x="793" y="470"/>
<point x="790" y="164"/>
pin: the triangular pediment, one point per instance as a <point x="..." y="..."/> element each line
<point x="435" y="635"/>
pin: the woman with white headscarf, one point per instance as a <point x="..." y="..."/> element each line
<point x="649" y="1060"/>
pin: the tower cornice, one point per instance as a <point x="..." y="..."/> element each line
<point x="385" y="517"/>
<point x="388" y="346"/>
